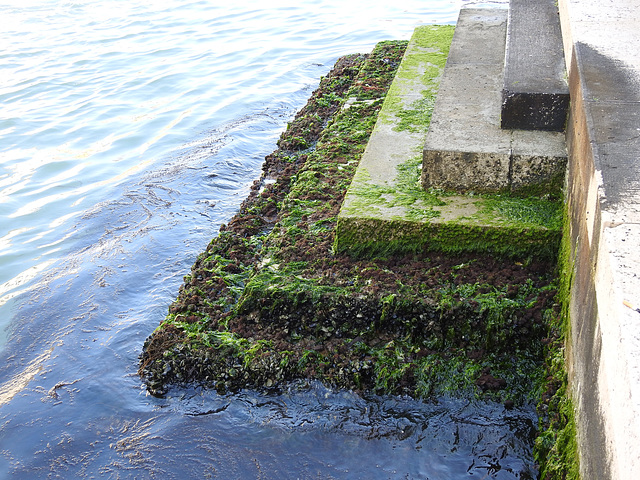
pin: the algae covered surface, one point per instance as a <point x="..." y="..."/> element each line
<point x="556" y="446"/>
<point x="386" y="208"/>
<point x="269" y="301"/>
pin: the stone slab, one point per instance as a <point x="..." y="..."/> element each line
<point x="477" y="171"/>
<point x="386" y="207"/>
<point x="466" y="150"/>
<point x="535" y="95"/>
<point x="478" y="24"/>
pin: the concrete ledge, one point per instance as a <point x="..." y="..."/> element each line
<point x="368" y="235"/>
<point x="466" y="150"/>
<point x="603" y="202"/>
<point x="386" y="209"/>
<point x="535" y="95"/>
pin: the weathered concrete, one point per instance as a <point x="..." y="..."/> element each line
<point x="466" y="150"/>
<point x="385" y="206"/>
<point x="535" y="95"/>
<point x="602" y="47"/>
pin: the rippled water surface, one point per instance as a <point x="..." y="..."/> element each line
<point x="129" y="131"/>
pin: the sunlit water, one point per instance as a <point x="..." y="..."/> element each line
<point x="129" y="131"/>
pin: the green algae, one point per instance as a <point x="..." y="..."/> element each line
<point x="292" y="309"/>
<point x="556" y="448"/>
<point x="393" y="213"/>
<point x="525" y="212"/>
<point x="419" y="72"/>
<point x="266" y="306"/>
<point x="417" y="117"/>
<point x="430" y="353"/>
<point x="377" y="75"/>
<point x="534" y="221"/>
<point x="369" y="236"/>
<point x="417" y="204"/>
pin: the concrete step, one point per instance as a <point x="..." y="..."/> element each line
<point x="387" y="210"/>
<point x="535" y="95"/>
<point x="466" y="150"/>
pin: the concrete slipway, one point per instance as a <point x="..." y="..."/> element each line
<point x="602" y="195"/>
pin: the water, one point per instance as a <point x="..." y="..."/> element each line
<point x="129" y="131"/>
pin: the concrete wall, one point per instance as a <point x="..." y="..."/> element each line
<point x="603" y="352"/>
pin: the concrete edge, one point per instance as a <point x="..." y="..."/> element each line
<point x="385" y="206"/>
<point x="603" y="349"/>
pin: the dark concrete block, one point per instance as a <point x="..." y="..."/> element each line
<point x="535" y="95"/>
<point x="534" y="111"/>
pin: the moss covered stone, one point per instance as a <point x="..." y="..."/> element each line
<point x="386" y="209"/>
<point x="270" y="300"/>
<point x="556" y="448"/>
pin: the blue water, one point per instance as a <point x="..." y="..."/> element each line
<point x="129" y="131"/>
